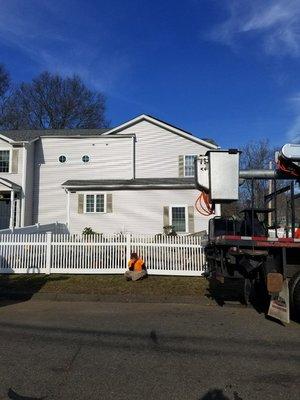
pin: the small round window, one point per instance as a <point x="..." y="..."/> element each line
<point x="62" y="159"/>
<point x="85" y="159"/>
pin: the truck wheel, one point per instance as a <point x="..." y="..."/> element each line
<point x="295" y="296"/>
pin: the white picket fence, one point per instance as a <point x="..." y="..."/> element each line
<point x="55" y="227"/>
<point x="100" y="254"/>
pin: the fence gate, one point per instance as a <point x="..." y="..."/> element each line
<point x="100" y="254"/>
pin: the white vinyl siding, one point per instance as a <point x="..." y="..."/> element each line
<point x="134" y="211"/>
<point x="15" y="160"/>
<point x="189" y="165"/>
<point x="110" y="158"/>
<point x="157" y="154"/>
<point x="16" y="174"/>
<point x="158" y="150"/>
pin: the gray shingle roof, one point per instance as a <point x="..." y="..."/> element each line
<point x="140" y="183"/>
<point x="27" y="135"/>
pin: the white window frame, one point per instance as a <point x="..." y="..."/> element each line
<point x="184" y="163"/>
<point x="86" y="162"/>
<point x="62" y="163"/>
<point x="95" y="194"/>
<point x="10" y="160"/>
<point x="185" y="206"/>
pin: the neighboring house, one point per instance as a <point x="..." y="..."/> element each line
<point x="137" y="177"/>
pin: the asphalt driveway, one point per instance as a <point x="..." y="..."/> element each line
<point x="94" y="350"/>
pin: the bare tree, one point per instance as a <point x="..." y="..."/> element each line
<point x="4" y="81"/>
<point x="256" y="155"/>
<point x="5" y="86"/>
<point x="51" y="101"/>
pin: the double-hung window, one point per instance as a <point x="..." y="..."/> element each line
<point x="189" y="165"/>
<point x="178" y="218"/>
<point x="95" y="203"/>
<point x="4" y="160"/>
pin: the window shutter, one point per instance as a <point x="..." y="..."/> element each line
<point x="191" y="223"/>
<point x="14" y="161"/>
<point x="166" y="216"/>
<point x="180" y="166"/>
<point x="109" y="204"/>
<point x="80" y="203"/>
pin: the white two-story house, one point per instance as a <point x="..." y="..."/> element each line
<point x="137" y="177"/>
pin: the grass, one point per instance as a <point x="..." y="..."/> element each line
<point x="104" y="285"/>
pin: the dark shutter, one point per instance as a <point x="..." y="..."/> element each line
<point x="109" y="204"/>
<point x="14" y="161"/>
<point x="180" y="166"/>
<point x="80" y="203"/>
<point x="166" y="219"/>
<point x="191" y="223"/>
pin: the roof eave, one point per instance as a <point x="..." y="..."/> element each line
<point x="87" y="136"/>
<point x="10" y="185"/>
<point x="130" y="187"/>
<point x="12" y="141"/>
<point x="7" y="139"/>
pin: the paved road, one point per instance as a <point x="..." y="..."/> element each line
<point x="60" y="350"/>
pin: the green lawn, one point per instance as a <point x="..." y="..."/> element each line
<point x="104" y="285"/>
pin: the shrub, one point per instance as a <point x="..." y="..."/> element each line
<point x="169" y="230"/>
<point x="89" y="231"/>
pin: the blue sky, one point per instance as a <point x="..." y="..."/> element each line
<point x="222" y="69"/>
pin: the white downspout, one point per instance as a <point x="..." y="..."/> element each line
<point x="134" y="157"/>
<point x="18" y="212"/>
<point x="24" y="189"/>
<point x="68" y="210"/>
<point x="12" y="209"/>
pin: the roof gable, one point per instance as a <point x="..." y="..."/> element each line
<point x="164" y="125"/>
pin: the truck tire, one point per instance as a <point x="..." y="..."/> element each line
<point x="295" y="296"/>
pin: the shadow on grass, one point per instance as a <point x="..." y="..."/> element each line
<point x="18" y="288"/>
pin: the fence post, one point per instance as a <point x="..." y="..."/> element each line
<point x="48" y="253"/>
<point x="128" y="247"/>
<point x="37" y="227"/>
